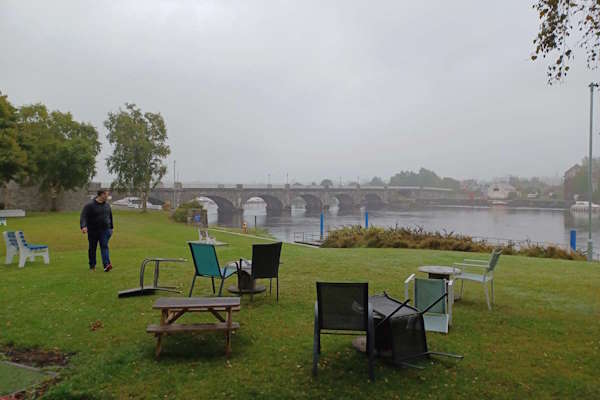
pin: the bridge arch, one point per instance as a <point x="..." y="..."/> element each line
<point x="222" y="203"/>
<point x="373" y="201"/>
<point x="274" y="204"/>
<point x="345" y="201"/>
<point x="313" y="203"/>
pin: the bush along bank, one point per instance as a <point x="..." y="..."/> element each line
<point x="182" y="212"/>
<point x="418" y="238"/>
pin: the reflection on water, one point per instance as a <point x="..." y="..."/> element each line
<point x="497" y="222"/>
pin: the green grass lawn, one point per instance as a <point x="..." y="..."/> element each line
<point x="13" y="378"/>
<point x="542" y="340"/>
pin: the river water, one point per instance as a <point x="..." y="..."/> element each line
<point x="537" y="225"/>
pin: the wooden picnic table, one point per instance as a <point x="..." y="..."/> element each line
<point x="172" y="308"/>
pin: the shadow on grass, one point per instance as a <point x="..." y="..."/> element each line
<point x="195" y="347"/>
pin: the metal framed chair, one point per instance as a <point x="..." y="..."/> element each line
<point x="343" y="308"/>
<point x="427" y="292"/>
<point x="264" y="264"/>
<point x="409" y="341"/>
<point x="206" y="264"/>
<point x="488" y="267"/>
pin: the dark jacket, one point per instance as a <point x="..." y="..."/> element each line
<point x="96" y="217"/>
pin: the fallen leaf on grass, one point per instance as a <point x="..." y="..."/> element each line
<point x="97" y="324"/>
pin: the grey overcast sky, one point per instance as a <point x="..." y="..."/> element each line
<point x="314" y="89"/>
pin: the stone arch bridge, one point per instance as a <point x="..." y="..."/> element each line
<point x="231" y="198"/>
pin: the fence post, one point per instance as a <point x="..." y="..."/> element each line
<point x="573" y="240"/>
<point x="366" y="219"/>
<point x="322" y="224"/>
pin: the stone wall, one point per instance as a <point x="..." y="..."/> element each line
<point x="29" y="198"/>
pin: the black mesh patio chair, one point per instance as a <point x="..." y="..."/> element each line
<point x="409" y="341"/>
<point x="340" y="308"/>
<point x="264" y="264"/>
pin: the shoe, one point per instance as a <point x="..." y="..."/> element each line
<point x="92" y="269"/>
<point x="108" y="268"/>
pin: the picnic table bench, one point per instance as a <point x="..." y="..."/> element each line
<point x="10" y="214"/>
<point x="172" y="308"/>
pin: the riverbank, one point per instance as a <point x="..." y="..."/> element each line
<point x="540" y="341"/>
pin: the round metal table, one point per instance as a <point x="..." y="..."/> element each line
<point x="246" y="285"/>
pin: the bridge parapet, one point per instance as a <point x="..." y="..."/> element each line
<point x="280" y="197"/>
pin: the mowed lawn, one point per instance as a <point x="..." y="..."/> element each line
<point x="542" y="340"/>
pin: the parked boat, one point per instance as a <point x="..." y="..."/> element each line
<point x="582" y="207"/>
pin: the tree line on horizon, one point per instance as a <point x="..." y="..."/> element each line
<point x="422" y="178"/>
<point x="58" y="153"/>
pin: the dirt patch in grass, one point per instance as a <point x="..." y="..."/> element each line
<point x="35" y="357"/>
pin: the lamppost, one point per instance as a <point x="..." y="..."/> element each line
<point x="590" y="246"/>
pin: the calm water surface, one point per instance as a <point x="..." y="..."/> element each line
<point x="550" y="226"/>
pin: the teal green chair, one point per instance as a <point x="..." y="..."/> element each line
<point x="437" y="315"/>
<point x="206" y="265"/>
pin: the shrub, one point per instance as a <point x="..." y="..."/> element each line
<point x="181" y="213"/>
<point x="418" y="238"/>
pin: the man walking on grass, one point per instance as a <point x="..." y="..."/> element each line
<point x="97" y="221"/>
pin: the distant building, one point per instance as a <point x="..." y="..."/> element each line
<point x="569" y="182"/>
<point x="500" y="191"/>
<point x="472" y="188"/>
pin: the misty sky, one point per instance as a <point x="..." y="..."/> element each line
<point x="314" y="89"/>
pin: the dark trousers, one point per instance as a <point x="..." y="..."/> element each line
<point x="102" y="237"/>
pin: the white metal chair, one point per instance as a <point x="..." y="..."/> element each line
<point x="487" y="276"/>
<point x="28" y="252"/>
<point x="426" y="293"/>
<point x="12" y="246"/>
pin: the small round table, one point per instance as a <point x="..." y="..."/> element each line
<point x="439" y="271"/>
<point x="246" y="285"/>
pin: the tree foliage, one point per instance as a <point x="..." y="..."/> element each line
<point x="579" y="183"/>
<point x="564" y="25"/>
<point x="13" y="158"/>
<point x="326" y="183"/>
<point x="61" y="151"/>
<point x="377" y="181"/>
<point x="140" y="146"/>
<point x="423" y="178"/>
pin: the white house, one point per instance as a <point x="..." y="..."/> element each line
<point x="500" y="191"/>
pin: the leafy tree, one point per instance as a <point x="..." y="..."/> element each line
<point x="326" y="183"/>
<point x="423" y="178"/>
<point x="140" y="146"/>
<point x="565" y="24"/>
<point x="62" y="152"/>
<point x="377" y="181"/>
<point x="13" y="158"/>
<point x="579" y="183"/>
<point x="450" y="183"/>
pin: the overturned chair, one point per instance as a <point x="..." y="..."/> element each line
<point x="400" y="328"/>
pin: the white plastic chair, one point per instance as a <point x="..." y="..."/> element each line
<point x="487" y="266"/>
<point x="28" y="252"/>
<point x="12" y="246"/>
<point x="426" y="292"/>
